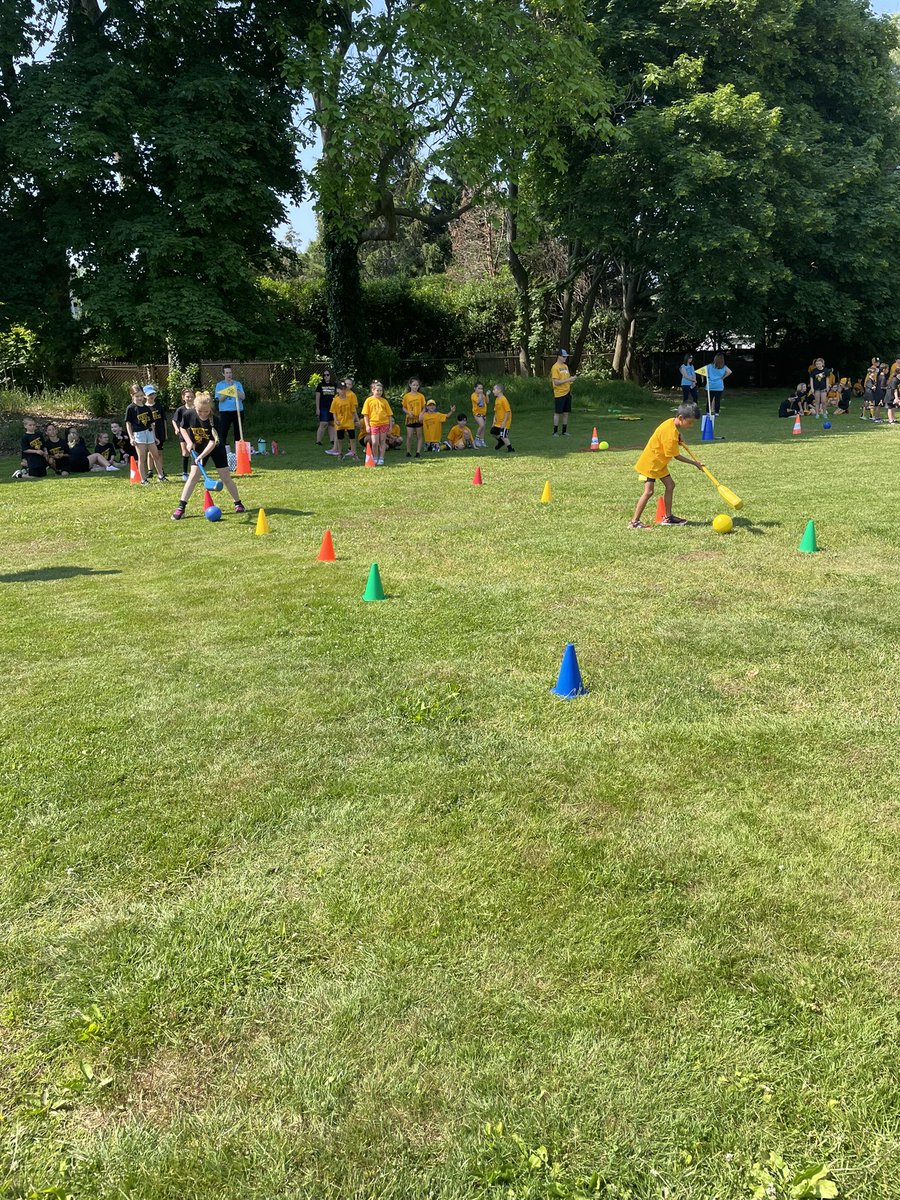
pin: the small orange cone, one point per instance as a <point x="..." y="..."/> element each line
<point x="208" y="501"/>
<point x="243" y="458"/>
<point x="476" y="478"/>
<point x="135" y="474"/>
<point x="326" y="550"/>
<point x="595" y="441"/>
<point x="660" y="510"/>
<point x="797" y="428"/>
<point x="370" y="458"/>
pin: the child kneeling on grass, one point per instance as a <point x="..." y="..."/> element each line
<point x="459" y="436"/>
<point x="199" y="434"/>
<point x="654" y="462"/>
<point x="433" y="425"/>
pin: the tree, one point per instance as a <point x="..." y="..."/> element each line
<point x="416" y="104"/>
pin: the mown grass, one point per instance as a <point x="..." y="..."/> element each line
<point x="302" y="894"/>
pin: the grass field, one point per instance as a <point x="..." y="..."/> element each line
<point x="306" y="897"/>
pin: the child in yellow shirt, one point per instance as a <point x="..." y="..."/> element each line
<point x="459" y="436"/>
<point x="394" y="438"/>
<point x="479" y="412"/>
<point x="654" y="462"/>
<point x="413" y="403"/>
<point x="343" y="410"/>
<point x="378" y="417"/>
<point x="502" y="419"/>
<point x="433" y="425"/>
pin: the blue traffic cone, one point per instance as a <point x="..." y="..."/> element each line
<point x="707" y="429"/>
<point x="569" y="684"/>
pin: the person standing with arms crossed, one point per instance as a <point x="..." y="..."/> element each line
<point x="562" y="393"/>
<point x="229" y="396"/>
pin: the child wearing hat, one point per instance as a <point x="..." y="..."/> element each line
<point x="433" y="425"/>
<point x="562" y="382"/>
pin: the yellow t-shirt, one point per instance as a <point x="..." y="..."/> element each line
<point x="352" y="396"/>
<point x="559" y="377"/>
<point x="659" y="451"/>
<point x="415" y="402"/>
<point x="377" y="409"/>
<point x="502" y="411"/>
<point x="479" y="405"/>
<point x="433" y="424"/>
<point x="344" y="411"/>
<point x="459" y="435"/>
<point x="395" y="430"/>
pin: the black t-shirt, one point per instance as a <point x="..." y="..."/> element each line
<point x="788" y="407"/>
<point x="32" y="445"/>
<point x="106" y="451"/>
<point x="139" y="416"/>
<point x="77" y="456"/>
<point x="819" y="379"/>
<point x="122" y="443"/>
<point x="200" y="430"/>
<point x="179" y="416"/>
<point x="325" y="393"/>
<point x="159" y="419"/>
<point x="57" y="452"/>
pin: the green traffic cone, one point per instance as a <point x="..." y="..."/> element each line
<point x="374" y="590"/>
<point x="808" y="541"/>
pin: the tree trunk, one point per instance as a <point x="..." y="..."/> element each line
<point x="587" y="313"/>
<point x="522" y="282"/>
<point x="344" y="301"/>
<point x="624" y="362"/>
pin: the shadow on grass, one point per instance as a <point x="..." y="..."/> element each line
<point x="287" y="512"/>
<point x="755" y="527"/>
<point x="45" y="574"/>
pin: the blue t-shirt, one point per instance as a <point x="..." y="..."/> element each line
<point x="688" y="376"/>
<point x="715" y="377"/>
<point x="228" y="403"/>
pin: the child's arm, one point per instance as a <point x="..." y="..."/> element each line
<point x="692" y="462"/>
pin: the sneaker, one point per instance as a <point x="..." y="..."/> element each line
<point x="638" y="525"/>
<point x="145" y="483"/>
<point x="510" y="450"/>
<point x="163" y="478"/>
<point x="20" y="474"/>
<point x="179" y="512"/>
<point x="333" y="453"/>
<point x="379" y="462"/>
<point x="112" y="468"/>
<point x="555" y="433"/>
<point x="565" y="433"/>
<point x="238" y="507"/>
<point x="184" y="476"/>
<point x="350" y="454"/>
<point x="673" y="521"/>
<point x="408" y="454"/>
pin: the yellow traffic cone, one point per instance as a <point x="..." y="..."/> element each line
<point x="546" y="494"/>
<point x="262" y="523"/>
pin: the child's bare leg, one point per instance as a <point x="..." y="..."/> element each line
<point x="142" y="460"/>
<point x="409" y="433"/>
<point x="645" y="496"/>
<point x="156" y="455"/>
<point x="669" y="485"/>
<point x="230" y="485"/>
<point x="323" y="425"/>
<point x="420" y="440"/>
<point x="192" y="481"/>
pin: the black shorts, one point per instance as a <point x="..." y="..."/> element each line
<point x="562" y="404"/>
<point x="348" y="433"/>
<point x="843" y="406"/>
<point x="79" y="468"/>
<point x="36" y="468"/>
<point x="497" y="432"/>
<point x="218" y="457"/>
<point x="413" y="424"/>
<point x="326" y="415"/>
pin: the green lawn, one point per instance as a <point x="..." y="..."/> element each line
<point x="301" y="894"/>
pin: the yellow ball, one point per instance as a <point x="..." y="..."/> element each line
<point x="723" y="523"/>
<point x="604" y="445"/>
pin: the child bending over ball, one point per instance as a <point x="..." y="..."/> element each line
<point x="201" y="436"/>
<point x="479" y="412"/>
<point x="378" y="417"/>
<point x="413" y="403"/>
<point x="502" y="419"/>
<point x="654" y="462"/>
<point x="459" y="436"/>
<point x="433" y="424"/>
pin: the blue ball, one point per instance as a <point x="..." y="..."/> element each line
<point x="827" y="425"/>
<point x="213" y="513"/>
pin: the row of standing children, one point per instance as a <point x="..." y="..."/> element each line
<point x="878" y="390"/>
<point x="337" y="408"/>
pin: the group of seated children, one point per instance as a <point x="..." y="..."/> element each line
<point x="45" y="450"/>
<point x="374" y="426"/>
<point x="879" y="390"/>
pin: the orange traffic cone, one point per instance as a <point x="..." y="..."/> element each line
<point x="476" y="478"/>
<point x="243" y="458"/>
<point x="135" y="474"/>
<point x="326" y="550"/>
<point x="660" y="510"/>
<point x="797" y="428"/>
<point x="208" y="501"/>
<point x="370" y="460"/>
<point x="595" y="441"/>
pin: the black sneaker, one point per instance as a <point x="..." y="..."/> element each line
<point x="408" y="455"/>
<point x="238" y="507"/>
<point x="673" y="521"/>
<point x="510" y="450"/>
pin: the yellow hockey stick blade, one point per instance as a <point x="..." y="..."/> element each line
<point x="729" y="497"/>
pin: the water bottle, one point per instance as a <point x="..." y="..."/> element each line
<point x="261" y="446"/>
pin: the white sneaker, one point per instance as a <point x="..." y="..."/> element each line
<point x="333" y="453"/>
<point x="110" y="467"/>
<point x="379" y="462"/>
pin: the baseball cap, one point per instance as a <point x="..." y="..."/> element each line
<point x="563" y="353"/>
<point x="149" y="389"/>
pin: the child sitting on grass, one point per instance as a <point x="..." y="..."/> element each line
<point x="79" y="461"/>
<point x="56" y="451"/>
<point x="793" y="404"/>
<point x="459" y="436"/>
<point x="653" y="463"/>
<point x="433" y="425"/>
